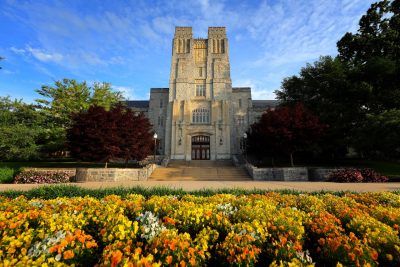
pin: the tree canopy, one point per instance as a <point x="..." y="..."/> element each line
<point x="69" y="96"/>
<point x="285" y="129"/>
<point x="361" y="83"/>
<point x="102" y="135"/>
<point x="24" y="131"/>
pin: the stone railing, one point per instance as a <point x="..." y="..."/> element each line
<point x="113" y="174"/>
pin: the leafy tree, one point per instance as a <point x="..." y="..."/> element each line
<point x="326" y="89"/>
<point x="373" y="53"/>
<point x="287" y="129"/>
<point x="102" y="135"/>
<point x="26" y="132"/>
<point x="1" y="58"/>
<point x="379" y="135"/>
<point x="19" y="142"/>
<point x="69" y="96"/>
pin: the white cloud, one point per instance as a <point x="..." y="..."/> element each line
<point x="39" y="54"/>
<point x="257" y="90"/>
<point x="127" y="92"/>
<point x="45" y="56"/>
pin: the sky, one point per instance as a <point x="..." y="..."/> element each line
<point x="128" y="42"/>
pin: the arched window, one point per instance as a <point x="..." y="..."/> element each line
<point x="201" y="115"/>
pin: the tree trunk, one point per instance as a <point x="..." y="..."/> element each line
<point x="106" y="165"/>
<point x="291" y="159"/>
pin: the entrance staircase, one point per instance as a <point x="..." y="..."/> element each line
<point x="200" y="170"/>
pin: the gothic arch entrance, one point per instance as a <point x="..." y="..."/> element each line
<point x="200" y="147"/>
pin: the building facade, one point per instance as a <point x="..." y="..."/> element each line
<point x="201" y="116"/>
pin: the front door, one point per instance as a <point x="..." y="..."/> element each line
<point x="200" y="147"/>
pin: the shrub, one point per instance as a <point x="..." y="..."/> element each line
<point x="6" y="175"/>
<point x="42" y="177"/>
<point x="371" y="176"/>
<point x="349" y="175"/>
<point x="353" y="175"/>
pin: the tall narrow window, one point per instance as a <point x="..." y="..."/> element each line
<point x="240" y="103"/>
<point x="214" y="47"/>
<point x="188" y="46"/>
<point x="200" y="72"/>
<point x="200" y="90"/>
<point x="222" y="46"/>
<point x="161" y="103"/>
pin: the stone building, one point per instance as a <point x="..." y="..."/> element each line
<point x="201" y="116"/>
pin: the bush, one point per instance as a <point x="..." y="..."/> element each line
<point x="42" y="177"/>
<point x="353" y="175"/>
<point x="371" y="176"/>
<point x="6" y="175"/>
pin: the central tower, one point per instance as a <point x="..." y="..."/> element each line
<point x="198" y="123"/>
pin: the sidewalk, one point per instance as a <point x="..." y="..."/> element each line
<point x="198" y="185"/>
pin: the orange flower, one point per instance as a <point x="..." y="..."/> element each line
<point x="116" y="258"/>
<point x="69" y="254"/>
<point x="182" y="263"/>
<point x="91" y="244"/>
<point x="298" y="246"/>
<point x="103" y="231"/>
<point x="169" y="259"/>
<point x="193" y="261"/>
<point x="352" y="256"/>
<point x="374" y="255"/>
<point x="358" y="251"/>
<point x="321" y="241"/>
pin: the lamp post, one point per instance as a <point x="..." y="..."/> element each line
<point x="155" y="146"/>
<point x="245" y="146"/>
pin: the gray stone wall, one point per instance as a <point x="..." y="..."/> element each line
<point x="157" y="115"/>
<point x="278" y="174"/>
<point x="113" y="174"/>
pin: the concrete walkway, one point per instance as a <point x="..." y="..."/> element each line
<point x="198" y="185"/>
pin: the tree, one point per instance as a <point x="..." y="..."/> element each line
<point x="102" y="135"/>
<point x="326" y="89"/>
<point x="288" y="129"/>
<point x="373" y="53"/>
<point x="1" y="58"/>
<point x="69" y="96"/>
<point x="379" y="135"/>
<point x="21" y="130"/>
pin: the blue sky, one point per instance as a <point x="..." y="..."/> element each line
<point x="128" y="43"/>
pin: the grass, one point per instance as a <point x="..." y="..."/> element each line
<point x="54" y="191"/>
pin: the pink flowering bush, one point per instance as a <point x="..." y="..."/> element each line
<point x="371" y="176"/>
<point x="42" y="177"/>
<point x="353" y="175"/>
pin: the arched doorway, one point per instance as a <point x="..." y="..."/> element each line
<point x="200" y="147"/>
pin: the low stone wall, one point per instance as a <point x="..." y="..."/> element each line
<point x="278" y="174"/>
<point x="321" y="174"/>
<point x="113" y="174"/>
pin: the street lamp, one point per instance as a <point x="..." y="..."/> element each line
<point x="155" y="145"/>
<point x="245" y="146"/>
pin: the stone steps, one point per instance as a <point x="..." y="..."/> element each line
<point x="200" y="174"/>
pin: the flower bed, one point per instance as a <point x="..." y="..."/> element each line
<point x="42" y="177"/>
<point x="221" y="230"/>
<point x="352" y="175"/>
